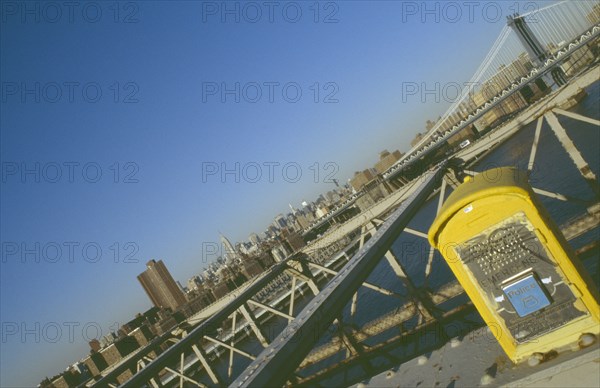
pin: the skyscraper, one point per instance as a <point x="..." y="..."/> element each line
<point x="229" y="253"/>
<point x="280" y="222"/>
<point x="292" y="208"/>
<point x="160" y="286"/>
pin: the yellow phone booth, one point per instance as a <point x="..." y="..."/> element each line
<point x="515" y="264"/>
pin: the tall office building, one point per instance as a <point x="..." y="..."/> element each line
<point x="292" y="208"/>
<point x="160" y="286"/>
<point x="280" y="222"/>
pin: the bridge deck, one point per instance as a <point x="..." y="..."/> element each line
<point x="455" y="365"/>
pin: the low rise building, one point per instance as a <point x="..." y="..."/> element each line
<point x="361" y="178"/>
<point x="95" y="363"/>
<point x="387" y="160"/>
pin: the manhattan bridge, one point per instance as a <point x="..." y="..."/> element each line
<point x="320" y="325"/>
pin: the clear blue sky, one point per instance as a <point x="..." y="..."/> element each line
<point x="161" y="205"/>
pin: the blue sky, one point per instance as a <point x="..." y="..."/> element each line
<point x="136" y="154"/>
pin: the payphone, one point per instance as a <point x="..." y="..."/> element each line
<point x="515" y="264"/>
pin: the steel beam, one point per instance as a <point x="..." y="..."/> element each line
<point x="195" y="336"/>
<point x="415" y="233"/>
<point x="254" y="324"/>
<point x="536" y="139"/>
<point x="305" y="276"/>
<point x="232" y="343"/>
<point x="412" y="336"/>
<point x="371" y="286"/>
<point x="574" y="154"/>
<point x="576" y="116"/>
<point x="216" y="379"/>
<point x="280" y="359"/>
<point x="391" y="320"/>
<point x="231" y="347"/>
<point x="431" y="249"/>
<point x="292" y="299"/>
<point x="270" y="309"/>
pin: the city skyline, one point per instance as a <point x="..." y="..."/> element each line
<point x="170" y="211"/>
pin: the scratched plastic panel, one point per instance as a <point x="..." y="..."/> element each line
<point x="510" y="254"/>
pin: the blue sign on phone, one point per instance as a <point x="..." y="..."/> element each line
<point x="526" y="295"/>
